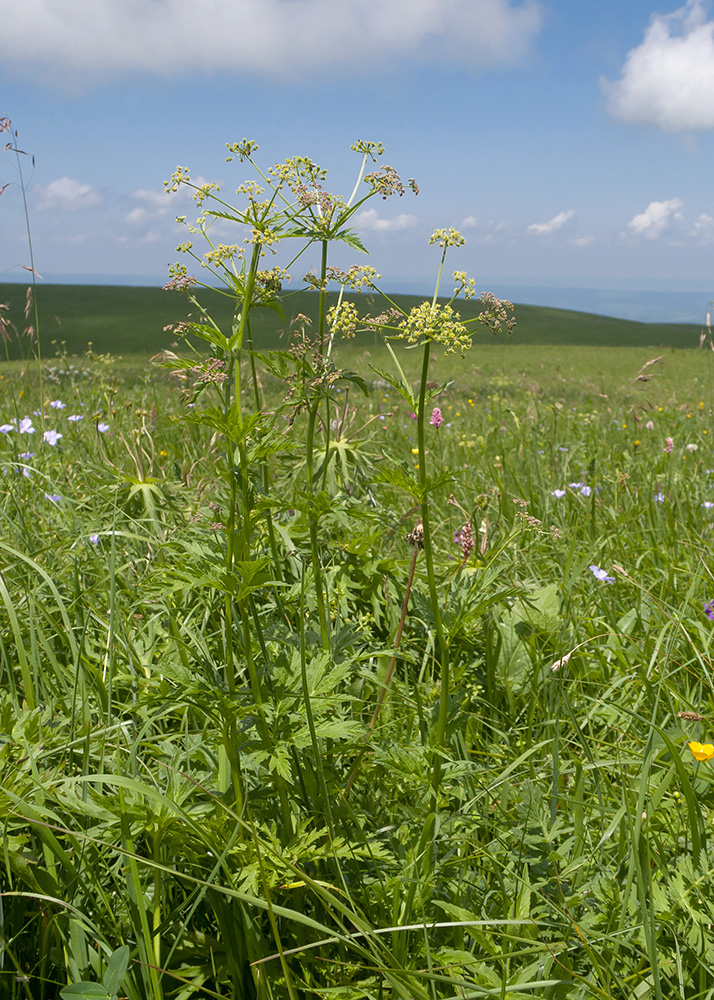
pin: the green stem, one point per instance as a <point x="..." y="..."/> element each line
<point x="312" y="519"/>
<point x="431" y="577"/>
<point x="323" y="295"/>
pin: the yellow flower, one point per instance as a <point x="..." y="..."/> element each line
<point x="702" y="751"/>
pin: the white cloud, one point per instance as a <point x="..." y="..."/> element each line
<point x="703" y="229"/>
<point x="553" y="225"/>
<point x="656" y="219"/>
<point x="369" y="221"/>
<point x="470" y="222"/>
<point x="70" y="42"/>
<point x="584" y="241"/>
<point x="67" y="195"/>
<point x="156" y="204"/>
<point x="668" y="80"/>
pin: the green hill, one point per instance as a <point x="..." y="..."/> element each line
<point x="131" y="320"/>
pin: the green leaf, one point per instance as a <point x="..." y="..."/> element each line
<point x="352" y="240"/>
<point x="211" y="334"/>
<point x="400" y="384"/>
<point x="116" y="969"/>
<point x="84" y="990"/>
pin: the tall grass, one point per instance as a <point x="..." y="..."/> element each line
<point x="256" y="742"/>
<point x="570" y="854"/>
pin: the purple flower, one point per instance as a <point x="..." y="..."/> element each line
<point x="557" y="493"/>
<point x="102" y="428"/>
<point x="586" y="491"/>
<point x="601" y="574"/>
<point x="576" y="486"/>
<point x="94" y="539"/>
<point x="659" y="497"/>
<point x="26" y="426"/>
<point x="52" y="437"/>
<point x="57" y="404"/>
<point x="414" y="416"/>
<point x="436" y="419"/>
<point x="27" y="454"/>
<point x="6" y="428"/>
<point x="54" y="497"/>
<point x="465" y="539"/>
<point x="75" y="417"/>
<point x="709" y="610"/>
<point x="708" y="504"/>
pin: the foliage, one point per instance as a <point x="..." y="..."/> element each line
<point x="256" y="742"/>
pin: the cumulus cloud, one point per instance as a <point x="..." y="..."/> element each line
<point x="67" y="194"/>
<point x="656" y="219"/>
<point x="470" y="222"/>
<point x="668" y="80"/>
<point x="72" y="42"/>
<point x="153" y="205"/>
<point x="584" y="241"/>
<point x="703" y="229"/>
<point x="553" y="225"/>
<point x="369" y="221"/>
<point x="150" y="205"/>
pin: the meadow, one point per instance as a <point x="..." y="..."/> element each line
<point x="358" y="668"/>
<point x="569" y="857"/>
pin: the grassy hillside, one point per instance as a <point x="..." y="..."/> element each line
<point x="130" y="320"/>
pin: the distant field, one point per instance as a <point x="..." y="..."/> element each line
<point x="130" y="320"/>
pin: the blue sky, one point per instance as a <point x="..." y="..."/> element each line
<point x="570" y="140"/>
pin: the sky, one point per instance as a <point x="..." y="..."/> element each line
<point x="571" y="141"/>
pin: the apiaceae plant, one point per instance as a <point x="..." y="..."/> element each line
<point x="299" y="697"/>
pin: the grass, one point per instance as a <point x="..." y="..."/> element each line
<point x="121" y="320"/>
<point x="190" y="837"/>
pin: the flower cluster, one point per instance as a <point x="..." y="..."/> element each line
<point x="181" y="175"/>
<point x="385" y="182"/>
<point x="343" y="318"/>
<point x="464" y="285"/>
<point x="436" y="419"/>
<point x="368" y="148"/>
<point x="179" y="279"/>
<point x="210" y="372"/>
<point x="355" y="278"/>
<point x="436" y="322"/>
<point x="495" y="314"/>
<point x="465" y="539"/>
<point x="447" y="237"/>
<point x="271" y="282"/>
<point x="243" y="149"/>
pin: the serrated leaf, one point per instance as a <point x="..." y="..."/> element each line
<point x="211" y="334"/>
<point x="400" y="384"/>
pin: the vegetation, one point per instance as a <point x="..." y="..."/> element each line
<point x="350" y="673"/>
<point x="121" y="320"/>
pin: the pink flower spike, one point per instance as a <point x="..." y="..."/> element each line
<point x="668" y="445"/>
<point x="436" y="419"/>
